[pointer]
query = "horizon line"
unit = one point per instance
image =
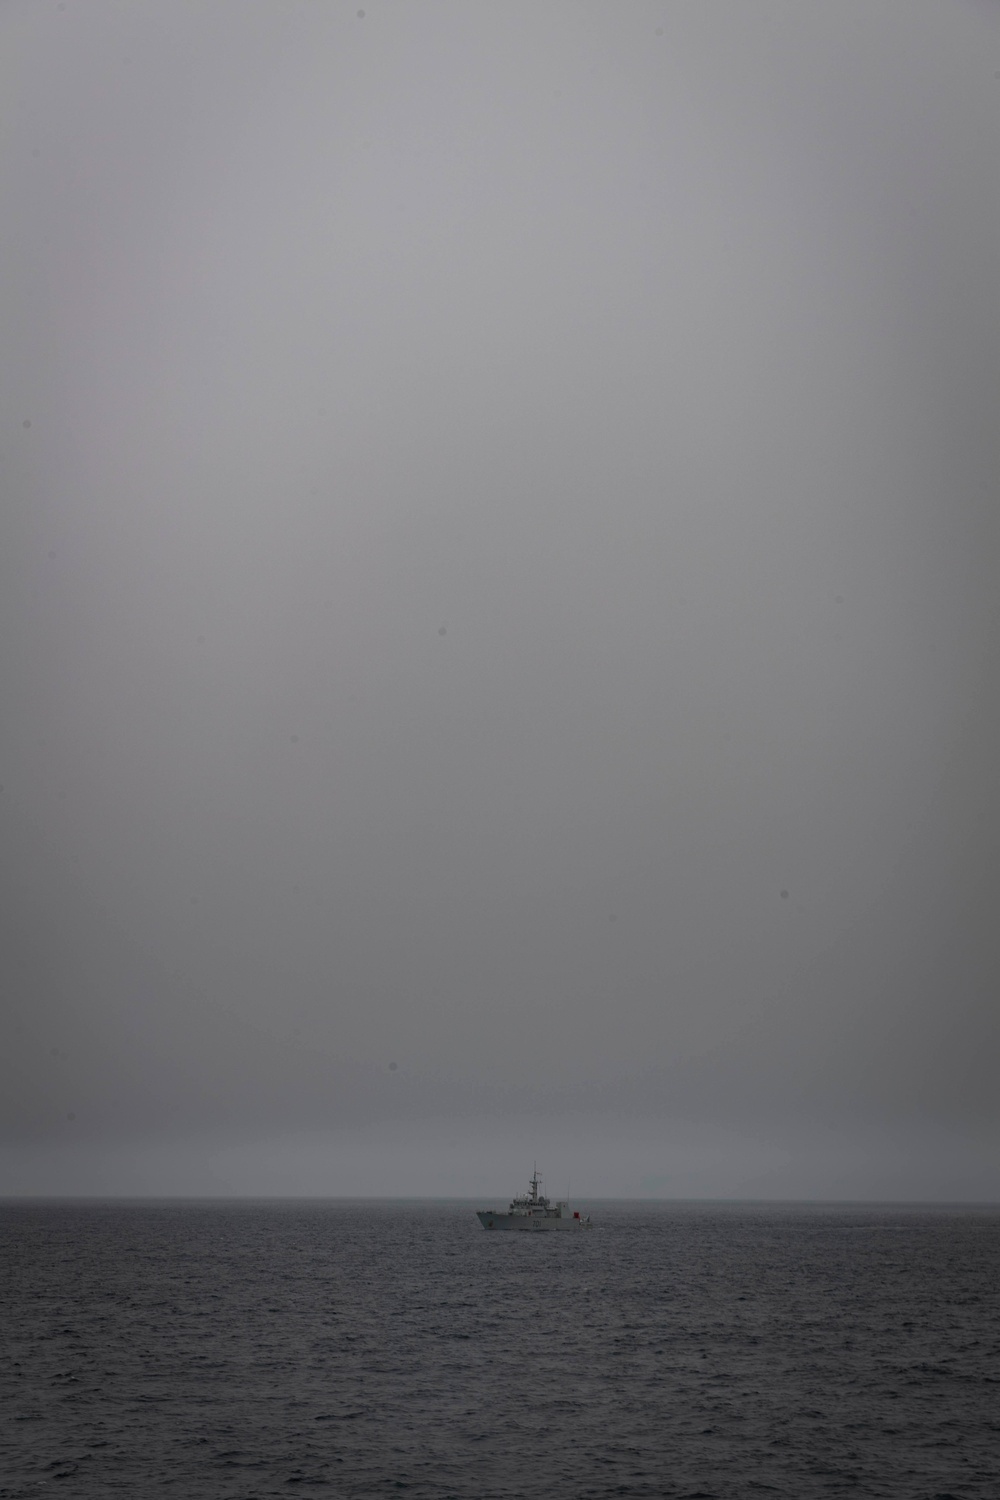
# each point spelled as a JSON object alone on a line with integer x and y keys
{"x": 466, "y": 1198}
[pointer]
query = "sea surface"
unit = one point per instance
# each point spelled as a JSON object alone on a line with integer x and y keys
{"x": 235, "y": 1350}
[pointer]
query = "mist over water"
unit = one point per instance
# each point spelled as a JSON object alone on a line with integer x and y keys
{"x": 498, "y": 598}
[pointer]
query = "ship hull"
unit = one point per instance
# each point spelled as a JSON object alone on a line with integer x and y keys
{"x": 530, "y": 1223}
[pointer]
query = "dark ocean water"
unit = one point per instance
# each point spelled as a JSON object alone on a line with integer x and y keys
{"x": 245, "y": 1350}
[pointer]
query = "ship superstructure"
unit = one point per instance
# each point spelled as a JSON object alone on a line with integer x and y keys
{"x": 532, "y": 1211}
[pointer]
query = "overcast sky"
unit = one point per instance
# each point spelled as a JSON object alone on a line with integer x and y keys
{"x": 498, "y": 625}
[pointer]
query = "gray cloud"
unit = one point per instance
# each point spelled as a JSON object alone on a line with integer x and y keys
{"x": 499, "y": 577}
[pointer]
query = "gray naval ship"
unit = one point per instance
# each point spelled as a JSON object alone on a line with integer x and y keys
{"x": 532, "y": 1212}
